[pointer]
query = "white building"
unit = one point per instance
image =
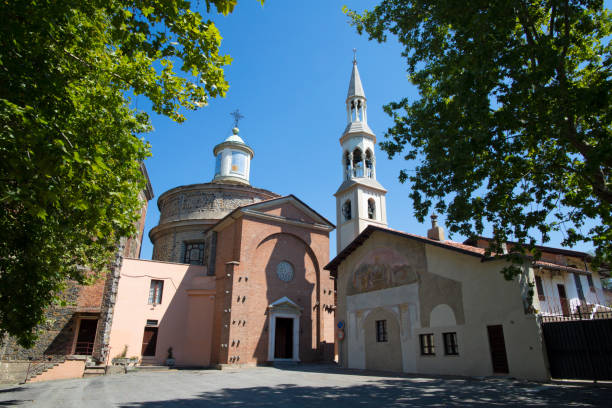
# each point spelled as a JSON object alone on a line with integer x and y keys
{"x": 428, "y": 305}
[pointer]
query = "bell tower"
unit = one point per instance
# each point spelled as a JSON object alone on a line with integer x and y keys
{"x": 360, "y": 199}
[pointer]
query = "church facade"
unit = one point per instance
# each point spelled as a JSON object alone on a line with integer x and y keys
{"x": 237, "y": 276}
{"x": 427, "y": 305}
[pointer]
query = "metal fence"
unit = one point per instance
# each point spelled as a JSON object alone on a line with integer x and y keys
{"x": 84, "y": 348}
{"x": 579, "y": 345}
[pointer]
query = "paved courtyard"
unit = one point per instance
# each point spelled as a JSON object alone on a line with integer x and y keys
{"x": 309, "y": 386}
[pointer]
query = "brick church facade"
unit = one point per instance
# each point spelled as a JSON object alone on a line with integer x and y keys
{"x": 237, "y": 276}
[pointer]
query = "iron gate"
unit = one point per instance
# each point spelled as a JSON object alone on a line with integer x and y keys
{"x": 578, "y": 346}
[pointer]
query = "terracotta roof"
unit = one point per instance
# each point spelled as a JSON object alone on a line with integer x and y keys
{"x": 451, "y": 245}
{"x": 557, "y": 267}
{"x": 542, "y": 248}
{"x": 365, "y": 234}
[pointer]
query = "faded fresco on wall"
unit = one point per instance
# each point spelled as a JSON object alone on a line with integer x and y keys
{"x": 384, "y": 268}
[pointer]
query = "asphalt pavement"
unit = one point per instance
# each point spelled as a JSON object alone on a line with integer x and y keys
{"x": 301, "y": 386}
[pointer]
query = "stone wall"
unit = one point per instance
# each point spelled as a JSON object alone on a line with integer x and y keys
{"x": 55, "y": 336}
{"x": 170, "y": 247}
{"x": 12, "y": 372}
{"x": 107, "y": 307}
{"x": 206, "y": 201}
{"x": 186, "y": 212}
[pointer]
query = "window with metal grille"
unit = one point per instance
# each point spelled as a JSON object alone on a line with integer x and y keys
{"x": 579, "y": 286}
{"x": 346, "y": 210}
{"x": 371, "y": 209}
{"x": 540, "y": 288}
{"x": 591, "y": 284}
{"x": 381, "y": 331}
{"x": 427, "y": 344}
{"x": 194, "y": 253}
{"x": 155, "y": 292}
{"x": 450, "y": 344}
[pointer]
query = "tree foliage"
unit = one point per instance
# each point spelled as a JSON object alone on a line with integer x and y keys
{"x": 513, "y": 124}
{"x": 70, "y": 154}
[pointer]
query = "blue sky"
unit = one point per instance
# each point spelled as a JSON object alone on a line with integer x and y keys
{"x": 289, "y": 77}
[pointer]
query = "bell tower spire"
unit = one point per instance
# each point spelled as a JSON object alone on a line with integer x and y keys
{"x": 356, "y": 108}
{"x": 360, "y": 200}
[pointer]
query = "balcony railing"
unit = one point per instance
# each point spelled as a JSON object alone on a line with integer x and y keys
{"x": 84, "y": 348}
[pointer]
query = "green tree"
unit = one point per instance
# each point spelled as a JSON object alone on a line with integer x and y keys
{"x": 70, "y": 153}
{"x": 512, "y": 127}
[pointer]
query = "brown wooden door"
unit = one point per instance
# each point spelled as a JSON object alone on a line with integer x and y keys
{"x": 563, "y": 300}
{"x": 283, "y": 338}
{"x": 498, "y": 349}
{"x": 149, "y": 341}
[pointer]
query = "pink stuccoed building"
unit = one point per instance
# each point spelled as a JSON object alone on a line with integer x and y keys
{"x": 237, "y": 276}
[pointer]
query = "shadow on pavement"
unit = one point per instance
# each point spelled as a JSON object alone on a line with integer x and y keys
{"x": 398, "y": 393}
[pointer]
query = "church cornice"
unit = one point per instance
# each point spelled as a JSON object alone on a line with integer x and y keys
{"x": 192, "y": 224}
{"x": 363, "y": 182}
{"x": 216, "y": 187}
{"x": 285, "y": 220}
{"x": 251, "y": 210}
{"x": 233, "y": 145}
{"x": 354, "y": 130}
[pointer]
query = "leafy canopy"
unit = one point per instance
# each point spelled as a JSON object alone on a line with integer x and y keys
{"x": 512, "y": 127}
{"x": 69, "y": 153}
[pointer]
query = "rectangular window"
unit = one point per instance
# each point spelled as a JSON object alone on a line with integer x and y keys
{"x": 194, "y": 253}
{"x": 239, "y": 161}
{"x": 155, "y": 292}
{"x": 540, "y": 288}
{"x": 450, "y": 344}
{"x": 218, "y": 164}
{"x": 151, "y": 322}
{"x": 427, "y": 344}
{"x": 381, "y": 331}
{"x": 579, "y": 286}
{"x": 591, "y": 284}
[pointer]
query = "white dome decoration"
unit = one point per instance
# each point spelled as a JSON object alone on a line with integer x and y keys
{"x": 233, "y": 160}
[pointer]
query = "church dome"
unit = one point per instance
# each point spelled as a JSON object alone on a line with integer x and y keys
{"x": 186, "y": 212}
{"x": 233, "y": 160}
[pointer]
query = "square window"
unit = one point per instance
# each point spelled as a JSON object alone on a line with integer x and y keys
{"x": 155, "y": 292}
{"x": 381, "y": 331}
{"x": 450, "y": 344}
{"x": 194, "y": 253}
{"x": 427, "y": 344}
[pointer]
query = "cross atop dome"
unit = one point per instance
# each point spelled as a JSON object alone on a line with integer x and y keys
{"x": 237, "y": 116}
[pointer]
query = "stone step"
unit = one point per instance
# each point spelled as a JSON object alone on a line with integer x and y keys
{"x": 153, "y": 368}
{"x": 284, "y": 364}
{"x": 94, "y": 371}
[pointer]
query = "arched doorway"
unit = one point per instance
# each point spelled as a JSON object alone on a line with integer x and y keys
{"x": 382, "y": 341}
